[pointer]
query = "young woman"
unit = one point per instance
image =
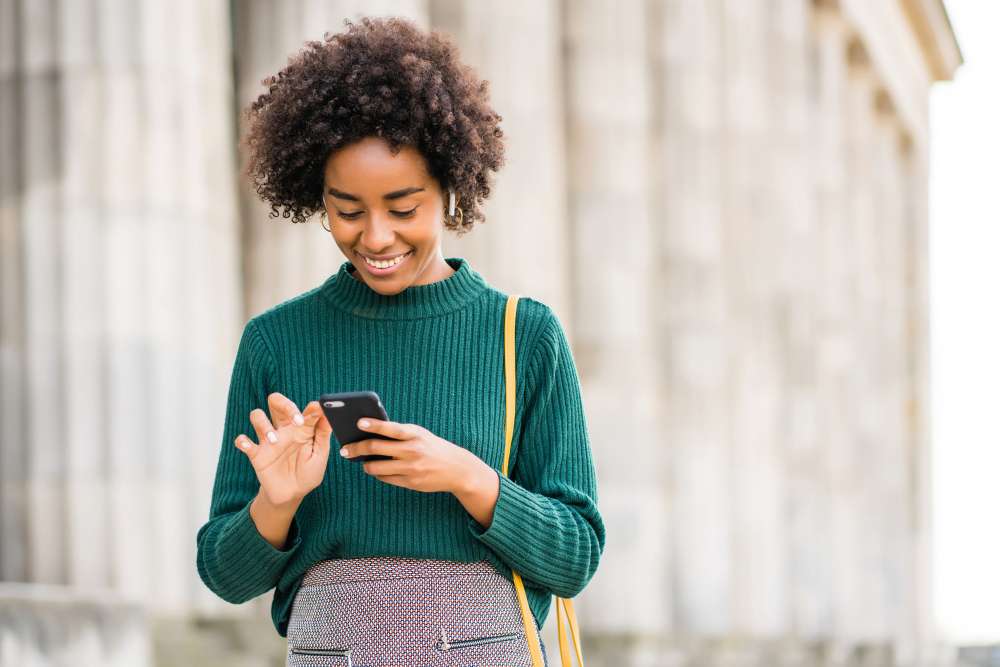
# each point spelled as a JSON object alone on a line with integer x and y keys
{"x": 407, "y": 560}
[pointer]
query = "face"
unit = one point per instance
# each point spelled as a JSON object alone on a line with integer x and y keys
{"x": 386, "y": 208}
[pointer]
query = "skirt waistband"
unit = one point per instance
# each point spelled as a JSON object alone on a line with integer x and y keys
{"x": 374, "y": 568}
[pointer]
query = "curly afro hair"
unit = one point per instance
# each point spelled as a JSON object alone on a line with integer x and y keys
{"x": 381, "y": 77}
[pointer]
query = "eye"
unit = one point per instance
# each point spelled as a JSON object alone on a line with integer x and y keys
{"x": 349, "y": 216}
{"x": 405, "y": 214}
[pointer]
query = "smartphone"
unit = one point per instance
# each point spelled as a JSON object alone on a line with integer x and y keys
{"x": 344, "y": 409}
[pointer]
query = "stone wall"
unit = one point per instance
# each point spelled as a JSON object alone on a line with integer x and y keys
{"x": 42, "y": 625}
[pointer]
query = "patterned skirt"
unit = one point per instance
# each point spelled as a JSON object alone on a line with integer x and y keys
{"x": 406, "y": 612}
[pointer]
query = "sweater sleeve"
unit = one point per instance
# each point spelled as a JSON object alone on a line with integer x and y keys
{"x": 234, "y": 560}
{"x": 546, "y": 524}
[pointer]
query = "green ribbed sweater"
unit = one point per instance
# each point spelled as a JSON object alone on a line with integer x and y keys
{"x": 434, "y": 354}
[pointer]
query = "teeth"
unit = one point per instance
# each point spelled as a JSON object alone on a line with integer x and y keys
{"x": 385, "y": 264}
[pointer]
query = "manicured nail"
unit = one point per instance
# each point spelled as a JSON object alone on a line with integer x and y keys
{"x": 299, "y": 419}
{"x": 272, "y": 436}
{"x": 343, "y": 451}
{"x": 363, "y": 423}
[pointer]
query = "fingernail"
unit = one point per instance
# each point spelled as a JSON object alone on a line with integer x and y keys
{"x": 272, "y": 436}
{"x": 363, "y": 423}
{"x": 242, "y": 444}
{"x": 343, "y": 451}
{"x": 299, "y": 419}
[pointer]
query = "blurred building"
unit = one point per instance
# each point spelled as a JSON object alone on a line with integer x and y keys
{"x": 724, "y": 200}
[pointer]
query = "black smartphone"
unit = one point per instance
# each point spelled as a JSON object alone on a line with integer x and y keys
{"x": 344, "y": 409}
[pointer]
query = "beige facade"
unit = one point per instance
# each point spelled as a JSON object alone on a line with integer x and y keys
{"x": 725, "y": 202}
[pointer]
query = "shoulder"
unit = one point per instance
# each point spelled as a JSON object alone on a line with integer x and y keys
{"x": 536, "y": 318}
{"x": 291, "y": 306}
{"x": 541, "y": 338}
{"x": 533, "y": 315}
{"x": 272, "y": 321}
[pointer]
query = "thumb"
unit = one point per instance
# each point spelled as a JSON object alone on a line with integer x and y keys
{"x": 323, "y": 429}
{"x": 312, "y": 414}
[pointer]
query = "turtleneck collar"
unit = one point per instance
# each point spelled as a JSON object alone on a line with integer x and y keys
{"x": 354, "y": 296}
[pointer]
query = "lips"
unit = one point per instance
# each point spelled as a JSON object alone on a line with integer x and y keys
{"x": 383, "y": 258}
{"x": 379, "y": 272}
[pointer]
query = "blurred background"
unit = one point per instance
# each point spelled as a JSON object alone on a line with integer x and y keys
{"x": 760, "y": 222}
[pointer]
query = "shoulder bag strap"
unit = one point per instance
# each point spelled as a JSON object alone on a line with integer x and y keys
{"x": 510, "y": 394}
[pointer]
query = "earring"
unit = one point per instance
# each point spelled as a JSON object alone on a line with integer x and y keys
{"x": 452, "y": 207}
{"x": 322, "y": 225}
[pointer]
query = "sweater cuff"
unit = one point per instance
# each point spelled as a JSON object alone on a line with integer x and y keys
{"x": 506, "y": 532}
{"x": 246, "y": 548}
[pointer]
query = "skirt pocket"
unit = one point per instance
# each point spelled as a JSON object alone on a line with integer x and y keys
{"x": 446, "y": 644}
{"x": 495, "y": 648}
{"x": 303, "y": 656}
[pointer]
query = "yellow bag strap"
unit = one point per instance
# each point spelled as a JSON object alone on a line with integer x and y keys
{"x": 567, "y": 604}
{"x": 534, "y": 641}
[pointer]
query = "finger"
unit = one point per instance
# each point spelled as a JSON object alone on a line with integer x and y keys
{"x": 378, "y": 468}
{"x": 323, "y": 429}
{"x": 371, "y": 446}
{"x": 283, "y": 409}
{"x": 395, "y": 480}
{"x": 261, "y": 424}
{"x": 322, "y": 433}
{"x": 247, "y": 446}
{"x": 389, "y": 429}
{"x": 312, "y": 414}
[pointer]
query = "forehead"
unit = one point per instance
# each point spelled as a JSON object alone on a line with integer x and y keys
{"x": 369, "y": 164}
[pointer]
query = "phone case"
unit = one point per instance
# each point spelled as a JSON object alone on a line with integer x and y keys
{"x": 343, "y": 410}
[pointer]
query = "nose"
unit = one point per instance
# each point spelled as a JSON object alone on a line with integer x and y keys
{"x": 378, "y": 233}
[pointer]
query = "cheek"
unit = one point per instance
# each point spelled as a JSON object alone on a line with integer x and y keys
{"x": 427, "y": 228}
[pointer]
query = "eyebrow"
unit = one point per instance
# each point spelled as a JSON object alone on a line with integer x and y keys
{"x": 397, "y": 194}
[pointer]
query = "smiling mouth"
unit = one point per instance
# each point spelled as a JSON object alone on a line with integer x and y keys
{"x": 382, "y": 267}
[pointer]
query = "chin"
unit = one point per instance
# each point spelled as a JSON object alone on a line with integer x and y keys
{"x": 385, "y": 287}
{"x": 387, "y": 290}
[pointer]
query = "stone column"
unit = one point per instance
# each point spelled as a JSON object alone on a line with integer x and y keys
{"x": 688, "y": 140}
{"x": 525, "y": 245}
{"x": 613, "y": 190}
{"x": 87, "y": 351}
{"x": 864, "y": 616}
{"x": 794, "y": 82}
{"x": 118, "y": 123}
{"x": 835, "y": 317}
{"x": 753, "y": 238}
{"x": 917, "y": 290}
{"x": 41, "y": 276}
{"x": 195, "y": 283}
{"x": 124, "y": 291}
{"x": 898, "y": 552}
{"x": 14, "y": 552}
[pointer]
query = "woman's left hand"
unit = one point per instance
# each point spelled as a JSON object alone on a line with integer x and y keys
{"x": 421, "y": 460}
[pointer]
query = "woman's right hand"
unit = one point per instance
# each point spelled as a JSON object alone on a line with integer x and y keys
{"x": 294, "y": 462}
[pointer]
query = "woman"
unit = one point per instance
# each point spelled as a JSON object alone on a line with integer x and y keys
{"x": 405, "y": 560}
